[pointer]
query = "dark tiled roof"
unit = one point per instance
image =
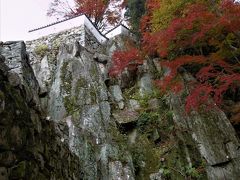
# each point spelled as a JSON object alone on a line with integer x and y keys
{"x": 57, "y": 22}
{"x": 116, "y": 28}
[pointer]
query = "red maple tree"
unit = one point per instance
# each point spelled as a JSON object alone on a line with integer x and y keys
{"x": 204, "y": 40}
{"x": 129, "y": 58}
{"x": 102, "y": 12}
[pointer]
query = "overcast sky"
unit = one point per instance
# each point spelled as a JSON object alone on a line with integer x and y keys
{"x": 17, "y": 17}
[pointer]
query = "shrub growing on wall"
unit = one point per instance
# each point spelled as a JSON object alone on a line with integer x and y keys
{"x": 41, "y": 50}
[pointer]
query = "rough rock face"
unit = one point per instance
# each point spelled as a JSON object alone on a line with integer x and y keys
{"x": 20, "y": 71}
{"x": 79, "y": 97}
{"x": 62, "y": 117}
{"x": 31, "y": 147}
{"x": 217, "y": 141}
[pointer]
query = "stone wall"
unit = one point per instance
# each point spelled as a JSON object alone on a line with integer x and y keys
{"x": 70, "y": 35}
{"x": 31, "y": 146}
{"x": 81, "y": 34}
{"x": 66, "y": 119}
{"x": 92, "y": 43}
{"x": 43, "y": 52}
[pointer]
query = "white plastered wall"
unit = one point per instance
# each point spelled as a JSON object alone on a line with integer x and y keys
{"x": 117, "y": 31}
{"x": 62, "y": 26}
{"x": 68, "y": 24}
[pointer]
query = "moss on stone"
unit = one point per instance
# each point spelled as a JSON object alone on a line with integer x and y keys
{"x": 168, "y": 153}
{"x": 147, "y": 119}
{"x": 81, "y": 83}
{"x": 41, "y": 50}
{"x": 144, "y": 99}
{"x": 93, "y": 95}
{"x": 70, "y": 103}
{"x": 94, "y": 70}
{"x": 66, "y": 78}
{"x": 1, "y": 95}
{"x": 19, "y": 171}
{"x": 145, "y": 157}
{"x": 69, "y": 100}
{"x": 176, "y": 160}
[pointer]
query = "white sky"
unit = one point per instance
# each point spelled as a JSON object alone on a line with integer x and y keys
{"x": 17, "y": 17}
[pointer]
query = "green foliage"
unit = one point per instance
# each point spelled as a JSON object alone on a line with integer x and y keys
{"x": 143, "y": 99}
{"x": 41, "y": 50}
{"x": 70, "y": 103}
{"x": 167, "y": 10}
{"x": 169, "y": 115}
{"x": 135, "y": 10}
{"x": 81, "y": 83}
{"x": 192, "y": 172}
{"x": 145, "y": 157}
{"x": 166, "y": 172}
{"x": 147, "y": 119}
{"x": 167, "y": 150}
{"x": 66, "y": 87}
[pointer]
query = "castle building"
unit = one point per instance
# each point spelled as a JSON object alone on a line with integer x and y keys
{"x": 81, "y": 28}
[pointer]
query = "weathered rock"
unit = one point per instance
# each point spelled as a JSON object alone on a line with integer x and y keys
{"x": 157, "y": 65}
{"x": 14, "y": 79}
{"x": 30, "y": 146}
{"x": 145, "y": 84}
{"x": 117, "y": 171}
{"x": 79, "y": 95}
{"x": 2, "y": 102}
{"x": 157, "y": 176}
{"x": 153, "y": 104}
{"x": 155, "y": 135}
{"x": 16, "y": 58}
{"x": 3, "y": 173}
{"x": 125, "y": 116}
{"x": 82, "y": 136}
{"x": 215, "y": 136}
{"x": 101, "y": 58}
{"x": 116, "y": 92}
{"x": 43, "y": 74}
{"x": 127, "y": 79}
{"x": 133, "y": 136}
{"x": 3, "y": 67}
{"x": 134, "y": 104}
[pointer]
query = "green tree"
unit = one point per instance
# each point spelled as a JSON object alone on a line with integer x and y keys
{"x": 135, "y": 10}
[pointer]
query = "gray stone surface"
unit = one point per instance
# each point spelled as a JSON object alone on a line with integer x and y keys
{"x": 157, "y": 176}
{"x": 145, "y": 84}
{"x": 125, "y": 116}
{"x": 70, "y": 83}
{"x": 57, "y": 119}
{"x": 119, "y": 172}
{"x": 134, "y": 104}
{"x": 217, "y": 140}
{"x": 79, "y": 96}
{"x": 101, "y": 58}
{"x": 43, "y": 74}
{"x": 17, "y": 60}
{"x": 116, "y": 93}
{"x": 30, "y": 147}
